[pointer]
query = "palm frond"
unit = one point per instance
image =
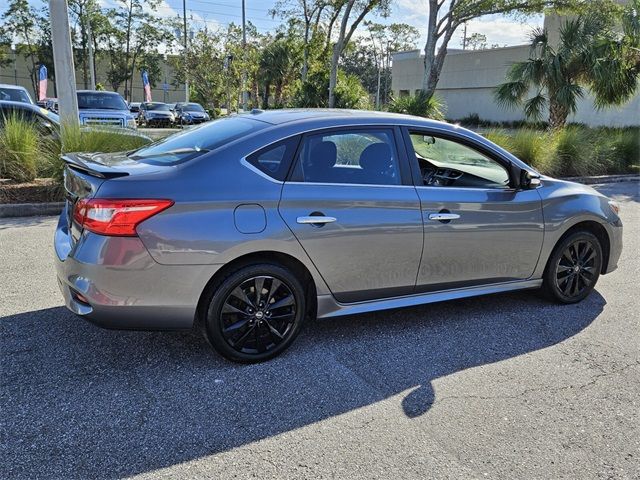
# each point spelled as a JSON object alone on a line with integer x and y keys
{"x": 535, "y": 106}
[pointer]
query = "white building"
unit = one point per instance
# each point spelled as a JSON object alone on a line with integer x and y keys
{"x": 469, "y": 77}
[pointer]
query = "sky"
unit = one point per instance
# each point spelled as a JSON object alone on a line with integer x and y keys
{"x": 498, "y": 29}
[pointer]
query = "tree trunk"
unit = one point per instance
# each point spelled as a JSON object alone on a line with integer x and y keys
{"x": 265, "y": 97}
{"x": 333, "y": 76}
{"x": 557, "y": 114}
{"x": 278, "y": 94}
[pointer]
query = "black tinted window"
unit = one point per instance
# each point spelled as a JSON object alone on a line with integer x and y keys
{"x": 196, "y": 141}
{"x": 101, "y": 101}
{"x": 274, "y": 160}
{"x": 351, "y": 156}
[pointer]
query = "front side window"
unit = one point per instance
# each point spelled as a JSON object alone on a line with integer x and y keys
{"x": 350, "y": 156}
{"x": 446, "y": 163}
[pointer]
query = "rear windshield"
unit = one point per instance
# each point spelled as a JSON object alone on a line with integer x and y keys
{"x": 196, "y": 141}
{"x": 14, "y": 95}
{"x": 101, "y": 101}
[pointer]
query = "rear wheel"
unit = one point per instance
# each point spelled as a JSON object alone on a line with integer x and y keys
{"x": 255, "y": 313}
{"x": 573, "y": 268}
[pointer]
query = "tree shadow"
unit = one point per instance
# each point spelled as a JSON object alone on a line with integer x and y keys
{"x": 78, "y": 401}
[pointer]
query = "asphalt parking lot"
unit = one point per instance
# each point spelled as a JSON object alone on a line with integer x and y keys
{"x": 506, "y": 386}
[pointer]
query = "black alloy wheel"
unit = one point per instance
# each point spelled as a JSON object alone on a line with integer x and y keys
{"x": 574, "y": 268}
{"x": 255, "y": 313}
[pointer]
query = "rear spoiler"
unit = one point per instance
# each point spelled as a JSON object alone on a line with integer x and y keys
{"x": 75, "y": 162}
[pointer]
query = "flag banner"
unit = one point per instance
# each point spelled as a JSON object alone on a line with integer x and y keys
{"x": 42, "y": 83}
{"x": 146, "y": 86}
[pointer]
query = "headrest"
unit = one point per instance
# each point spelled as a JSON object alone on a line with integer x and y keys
{"x": 323, "y": 155}
{"x": 376, "y": 157}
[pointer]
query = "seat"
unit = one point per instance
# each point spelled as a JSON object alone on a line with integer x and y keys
{"x": 319, "y": 167}
{"x": 377, "y": 165}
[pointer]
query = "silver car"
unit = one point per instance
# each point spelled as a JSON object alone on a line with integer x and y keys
{"x": 245, "y": 226}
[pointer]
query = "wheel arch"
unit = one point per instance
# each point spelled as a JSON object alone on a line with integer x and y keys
{"x": 595, "y": 228}
{"x": 282, "y": 259}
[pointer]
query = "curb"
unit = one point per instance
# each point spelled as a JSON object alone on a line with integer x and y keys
{"x": 30, "y": 209}
{"x": 593, "y": 180}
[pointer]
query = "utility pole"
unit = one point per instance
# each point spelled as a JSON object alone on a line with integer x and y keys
{"x": 14, "y": 49}
{"x": 464, "y": 37}
{"x": 63, "y": 63}
{"x": 92, "y": 70}
{"x": 186, "y": 50}
{"x": 245, "y": 97}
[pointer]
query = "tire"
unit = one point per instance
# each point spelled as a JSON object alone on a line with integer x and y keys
{"x": 242, "y": 329}
{"x": 573, "y": 268}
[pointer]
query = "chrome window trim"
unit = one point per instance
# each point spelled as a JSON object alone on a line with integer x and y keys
{"x": 329, "y": 184}
{"x": 254, "y": 169}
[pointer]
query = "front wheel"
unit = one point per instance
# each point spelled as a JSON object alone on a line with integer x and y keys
{"x": 573, "y": 268}
{"x": 255, "y": 313}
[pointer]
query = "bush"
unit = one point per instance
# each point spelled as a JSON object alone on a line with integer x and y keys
{"x": 86, "y": 140}
{"x": 419, "y": 105}
{"x": 18, "y": 150}
{"x": 349, "y": 92}
{"x": 574, "y": 150}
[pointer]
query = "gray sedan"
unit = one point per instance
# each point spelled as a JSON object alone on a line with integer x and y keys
{"x": 245, "y": 226}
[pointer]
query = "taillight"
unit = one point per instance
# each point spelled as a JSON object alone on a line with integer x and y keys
{"x": 115, "y": 216}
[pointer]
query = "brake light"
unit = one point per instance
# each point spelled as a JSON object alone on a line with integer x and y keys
{"x": 116, "y": 217}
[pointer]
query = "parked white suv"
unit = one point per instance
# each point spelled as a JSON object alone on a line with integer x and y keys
{"x": 15, "y": 93}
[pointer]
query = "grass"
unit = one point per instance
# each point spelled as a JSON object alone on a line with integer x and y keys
{"x": 19, "y": 150}
{"x": 574, "y": 150}
{"x": 75, "y": 139}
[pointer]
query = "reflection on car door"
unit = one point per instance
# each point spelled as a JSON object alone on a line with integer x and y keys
{"x": 350, "y": 204}
{"x": 476, "y": 234}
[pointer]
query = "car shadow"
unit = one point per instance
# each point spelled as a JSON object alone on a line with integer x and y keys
{"x": 79, "y": 401}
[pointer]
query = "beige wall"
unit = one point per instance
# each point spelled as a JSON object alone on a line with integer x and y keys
{"x": 469, "y": 77}
{"x": 175, "y": 94}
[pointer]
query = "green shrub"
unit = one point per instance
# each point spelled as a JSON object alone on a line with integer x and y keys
{"x": 86, "y": 140}
{"x": 574, "y": 153}
{"x": 313, "y": 93}
{"x": 574, "y": 150}
{"x": 18, "y": 149}
{"x": 419, "y": 105}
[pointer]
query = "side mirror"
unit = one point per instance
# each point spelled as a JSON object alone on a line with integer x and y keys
{"x": 428, "y": 139}
{"x": 528, "y": 180}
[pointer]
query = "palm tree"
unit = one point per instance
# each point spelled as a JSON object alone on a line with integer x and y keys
{"x": 590, "y": 54}
{"x": 276, "y": 66}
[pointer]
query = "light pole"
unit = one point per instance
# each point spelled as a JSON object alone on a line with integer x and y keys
{"x": 245, "y": 97}
{"x": 14, "y": 48}
{"x": 186, "y": 51}
{"x": 63, "y": 63}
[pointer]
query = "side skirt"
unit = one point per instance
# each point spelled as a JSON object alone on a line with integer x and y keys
{"x": 329, "y": 307}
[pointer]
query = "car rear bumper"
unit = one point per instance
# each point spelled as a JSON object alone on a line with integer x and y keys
{"x": 114, "y": 283}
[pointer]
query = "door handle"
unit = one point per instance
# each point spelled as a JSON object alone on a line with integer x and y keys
{"x": 315, "y": 220}
{"x": 443, "y": 216}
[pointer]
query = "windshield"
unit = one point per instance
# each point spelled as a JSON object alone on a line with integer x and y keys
{"x": 101, "y": 101}
{"x": 196, "y": 141}
{"x": 162, "y": 107}
{"x": 14, "y": 95}
{"x": 193, "y": 107}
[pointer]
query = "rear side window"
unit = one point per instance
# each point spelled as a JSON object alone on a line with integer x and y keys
{"x": 366, "y": 157}
{"x": 275, "y": 159}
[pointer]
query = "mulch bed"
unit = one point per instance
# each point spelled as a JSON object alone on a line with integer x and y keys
{"x": 39, "y": 191}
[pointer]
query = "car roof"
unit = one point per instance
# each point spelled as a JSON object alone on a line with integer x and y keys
{"x": 97, "y": 91}
{"x": 8, "y": 85}
{"x": 22, "y": 105}
{"x": 279, "y": 117}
